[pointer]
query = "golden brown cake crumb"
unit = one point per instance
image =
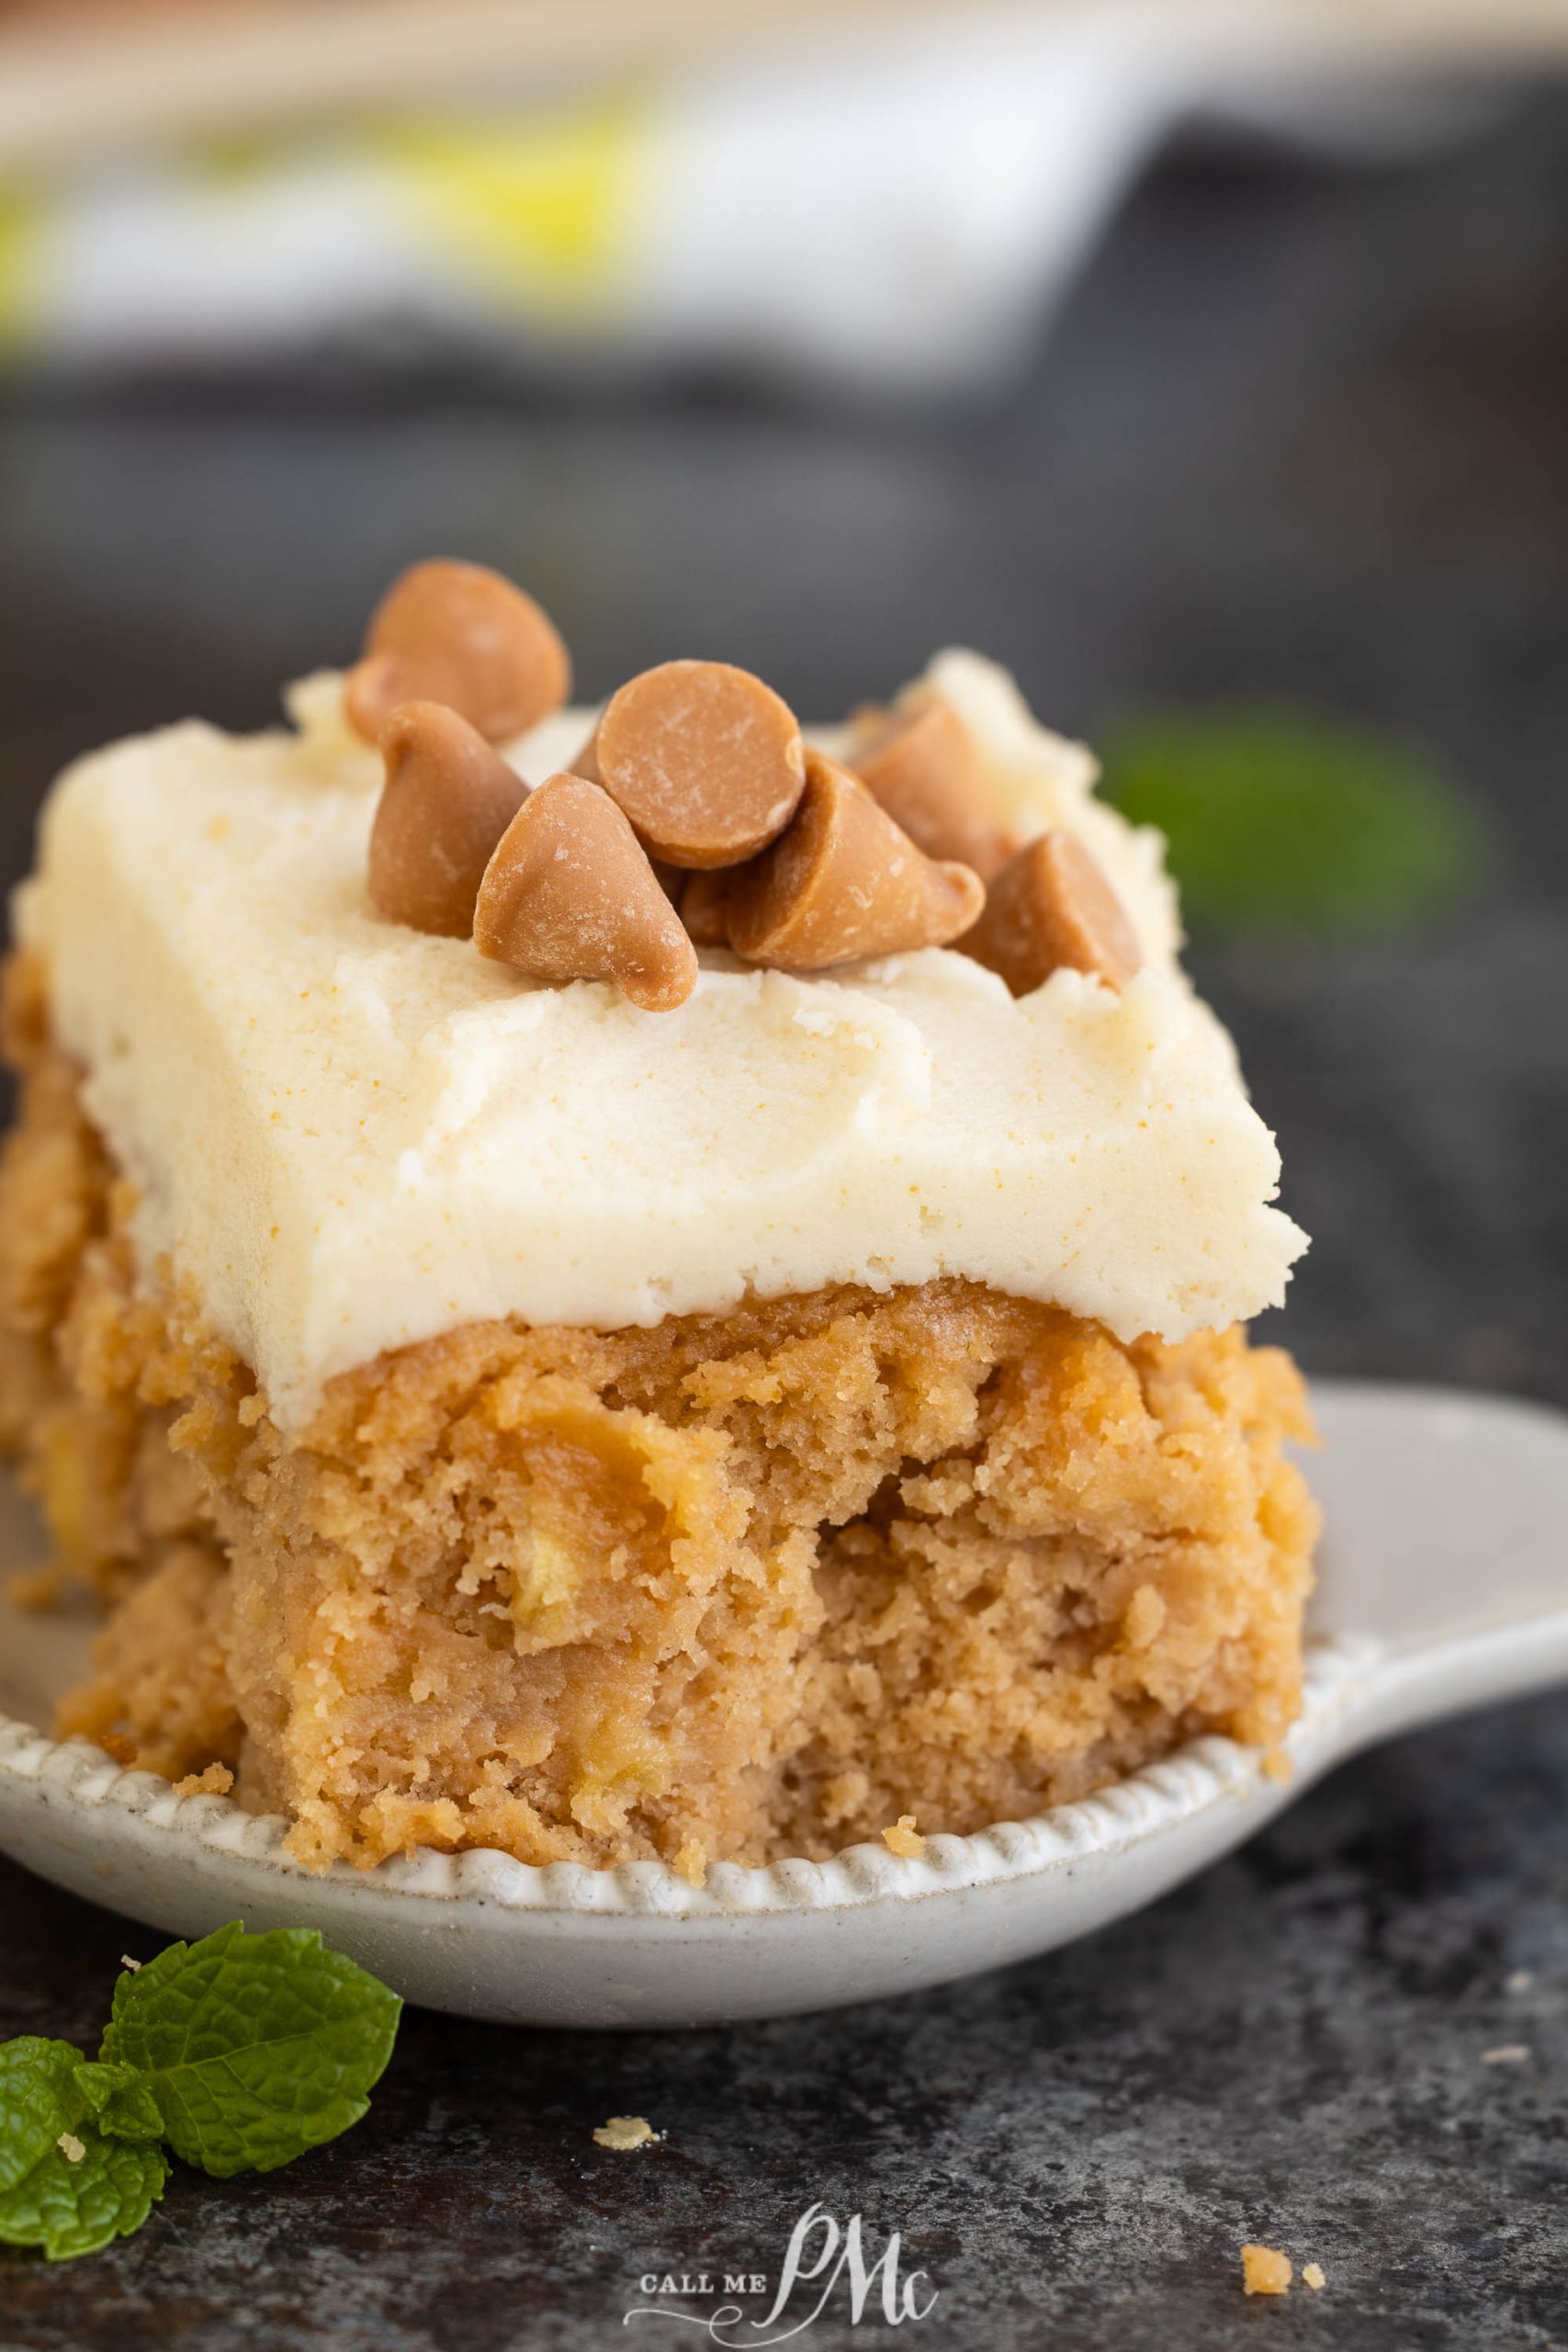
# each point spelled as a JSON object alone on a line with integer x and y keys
{"x": 37, "y": 1589}
{"x": 1312, "y": 2276}
{"x": 904, "y": 1839}
{"x": 690, "y": 1862}
{"x": 215, "y": 1781}
{"x": 1265, "y": 2271}
{"x": 624, "y": 2132}
{"x": 734, "y": 1588}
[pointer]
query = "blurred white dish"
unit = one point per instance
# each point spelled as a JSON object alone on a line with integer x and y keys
{"x": 1444, "y": 1585}
{"x": 617, "y": 185}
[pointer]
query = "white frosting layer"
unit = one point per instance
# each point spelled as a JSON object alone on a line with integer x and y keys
{"x": 350, "y": 1135}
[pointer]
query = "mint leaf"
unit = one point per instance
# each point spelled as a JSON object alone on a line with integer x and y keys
{"x": 241, "y": 2051}
{"x": 120, "y": 2102}
{"x": 69, "y": 2208}
{"x": 253, "y": 2048}
{"x": 46, "y": 2199}
{"x": 1291, "y": 820}
{"x": 39, "y": 2098}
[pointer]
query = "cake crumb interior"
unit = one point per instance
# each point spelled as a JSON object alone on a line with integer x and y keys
{"x": 734, "y": 1588}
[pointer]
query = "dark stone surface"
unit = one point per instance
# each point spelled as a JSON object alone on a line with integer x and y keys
{"x": 1299, "y": 434}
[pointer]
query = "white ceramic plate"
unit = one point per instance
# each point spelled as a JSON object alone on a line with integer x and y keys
{"x": 1443, "y": 1584}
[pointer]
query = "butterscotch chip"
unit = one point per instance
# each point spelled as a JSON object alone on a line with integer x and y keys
{"x": 458, "y": 634}
{"x": 1050, "y": 906}
{"x": 921, "y": 763}
{"x": 586, "y": 764}
{"x": 671, "y": 878}
{"x": 845, "y": 883}
{"x": 704, "y": 759}
{"x": 448, "y": 799}
{"x": 571, "y": 895}
{"x": 704, "y": 907}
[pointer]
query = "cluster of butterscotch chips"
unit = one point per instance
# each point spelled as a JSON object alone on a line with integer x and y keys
{"x": 696, "y": 816}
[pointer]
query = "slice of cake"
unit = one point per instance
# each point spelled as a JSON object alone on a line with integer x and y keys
{"x": 689, "y": 1311}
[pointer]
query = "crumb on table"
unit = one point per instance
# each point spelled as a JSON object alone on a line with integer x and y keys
{"x": 904, "y": 1839}
{"x": 626, "y": 2131}
{"x": 214, "y": 1780}
{"x": 1312, "y": 2276}
{"x": 1265, "y": 2271}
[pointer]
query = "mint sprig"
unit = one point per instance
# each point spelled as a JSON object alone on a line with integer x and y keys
{"x": 38, "y": 2100}
{"x": 1296, "y": 821}
{"x": 63, "y": 2186}
{"x": 122, "y": 2102}
{"x": 252, "y": 2049}
{"x": 239, "y": 2051}
{"x": 78, "y": 2204}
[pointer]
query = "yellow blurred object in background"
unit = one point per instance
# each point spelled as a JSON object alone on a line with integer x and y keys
{"x": 538, "y": 210}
